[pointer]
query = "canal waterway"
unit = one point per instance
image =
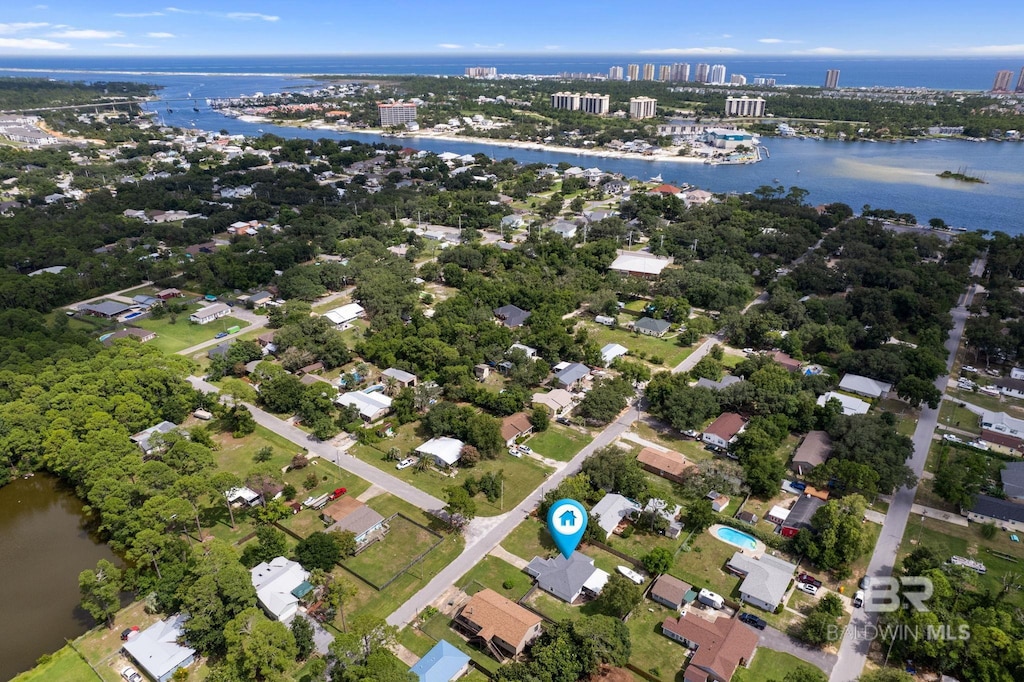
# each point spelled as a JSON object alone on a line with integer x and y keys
{"x": 44, "y": 545}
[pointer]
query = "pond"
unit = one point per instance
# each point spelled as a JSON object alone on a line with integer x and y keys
{"x": 44, "y": 545}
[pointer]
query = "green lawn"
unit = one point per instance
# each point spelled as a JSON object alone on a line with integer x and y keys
{"x": 64, "y": 666}
{"x": 653, "y": 652}
{"x": 669, "y": 438}
{"x": 529, "y": 539}
{"x": 769, "y": 665}
{"x": 171, "y": 338}
{"x": 703, "y": 566}
{"x": 668, "y": 349}
{"x": 559, "y": 442}
{"x": 493, "y": 572}
{"x": 522, "y": 475}
{"x": 954, "y": 416}
{"x": 382, "y": 560}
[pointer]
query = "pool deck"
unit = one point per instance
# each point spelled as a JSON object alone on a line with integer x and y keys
{"x": 758, "y": 550}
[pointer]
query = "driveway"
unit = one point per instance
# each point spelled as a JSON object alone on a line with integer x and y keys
{"x": 775, "y": 640}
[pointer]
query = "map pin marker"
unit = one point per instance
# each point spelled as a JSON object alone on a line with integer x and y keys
{"x": 567, "y": 521}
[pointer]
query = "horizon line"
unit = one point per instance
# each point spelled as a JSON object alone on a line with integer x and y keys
{"x": 648, "y": 56}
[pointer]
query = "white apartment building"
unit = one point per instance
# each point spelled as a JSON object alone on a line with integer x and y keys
{"x": 643, "y": 107}
{"x": 737, "y": 79}
{"x": 648, "y": 72}
{"x": 565, "y": 100}
{"x": 680, "y": 73}
{"x": 593, "y": 103}
{"x": 633, "y": 71}
{"x": 615, "y": 73}
{"x": 745, "y": 107}
{"x": 396, "y": 113}
{"x": 701, "y": 75}
{"x": 717, "y": 74}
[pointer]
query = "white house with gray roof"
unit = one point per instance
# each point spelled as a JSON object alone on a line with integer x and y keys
{"x": 157, "y": 649}
{"x": 611, "y": 510}
{"x": 280, "y": 583}
{"x": 568, "y": 579}
{"x": 765, "y": 579}
{"x": 865, "y": 386}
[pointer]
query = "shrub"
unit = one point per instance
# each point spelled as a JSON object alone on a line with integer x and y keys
{"x": 508, "y": 584}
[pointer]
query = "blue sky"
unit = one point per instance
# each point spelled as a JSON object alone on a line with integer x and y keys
{"x": 741, "y": 27}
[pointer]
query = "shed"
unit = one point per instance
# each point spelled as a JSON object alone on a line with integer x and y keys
{"x": 670, "y": 591}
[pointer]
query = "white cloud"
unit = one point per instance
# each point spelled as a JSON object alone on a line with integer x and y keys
{"x": 727, "y": 35}
{"x": 7, "y": 29}
{"x": 178, "y": 10}
{"x": 158, "y": 34}
{"x": 996, "y": 50}
{"x": 126, "y": 45}
{"x": 496, "y": 46}
{"x": 693, "y": 50}
{"x": 87, "y": 34}
{"x": 137, "y": 15}
{"x": 832, "y": 51}
{"x": 449, "y": 46}
{"x": 246, "y": 16}
{"x": 32, "y": 44}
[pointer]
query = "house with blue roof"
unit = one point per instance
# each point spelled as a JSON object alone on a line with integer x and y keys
{"x": 443, "y": 663}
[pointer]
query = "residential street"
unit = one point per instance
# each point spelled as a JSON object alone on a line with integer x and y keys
{"x": 854, "y": 649}
{"x": 780, "y": 641}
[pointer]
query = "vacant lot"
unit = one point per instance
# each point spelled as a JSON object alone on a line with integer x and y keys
{"x": 559, "y": 442}
{"x": 641, "y": 345}
{"x": 495, "y": 573}
{"x": 382, "y": 561}
{"x": 171, "y": 338}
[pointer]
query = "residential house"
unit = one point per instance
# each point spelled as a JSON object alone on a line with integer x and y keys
{"x": 242, "y": 497}
{"x": 799, "y": 516}
{"x": 639, "y": 264}
{"x": 651, "y": 327}
{"x": 514, "y": 427}
{"x": 719, "y": 647}
{"x": 865, "y": 386}
{"x": 670, "y": 514}
{"x": 569, "y": 579}
{"x": 107, "y": 309}
{"x": 1013, "y": 388}
{"x": 723, "y": 431}
{"x": 402, "y": 378}
{"x": 504, "y": 627}
{"x": 571, "y": 375}
{"x": 563, "y": 229}
{"x": 610, "y": 352}
{"x": 665, "y": 190}
{"x": 558, "y": 401}
{"x": 666, "y": 463}
{"x": 512, "y": 222}
{"x": 157, "y": 649}
{"x": 443, "y": 663}
{"x": 260, "y": 299}
{"x": 726, "y": 381}
{"x": 529, "y": 351}
{"x": 280, "y": 583}
{"x": 765, "y": 579}
{"x": 345, "y": 314}
{"x": 1002, "y": 429}
{"x": 348, "y": 513}
{"x": 481, "y": 371}
{"x": 444, "y": 451}
{"x": 168, "y": 294}
{"x": 372, "y": 405}
{"x": 141, "y": 335}
{"x": 210, "y": 313}
{"x": 672, "y": 592}
{"x": 850, "y": 405}
{"x": 612, "y": 510}
{"x": 697, "y": 197}
{"x": 1013, "y": 481}
{"x": 145, "y": 440}
{"x": 146, "y": 301}
{"x": 791, "y": 364}
{"x": 512, "y": 316}
{"x": 1003, "y": 513}
{"x": 813, "y": 451}
{"x": 219, "y": 351}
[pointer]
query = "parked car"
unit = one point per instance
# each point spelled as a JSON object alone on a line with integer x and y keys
{"x": 130, "y": 674}
{"x": 951, "y": 438}
{"x": 690, "y": 433}
{"x": 993, "y": 372}
{"x": 969, "y": 368}
{"x": 808, "y": 588}
{"x": 338, "y": 492}
{"x": 865, "y": 582}
{"x": 751, "y": 619}
{"x": 220, "y": 335}
{"x": 809, "y": 579}
{"x": 525, "y": 450}
{"x": 406, "y": 463}
{"x": 564, "y": 421}
{"x": 515, "y": 451}
{"x": 858, "y": 599}
{"x": 128, "y": 633}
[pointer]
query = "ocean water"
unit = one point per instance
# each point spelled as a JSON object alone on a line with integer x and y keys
{"x": 897, "y": 176}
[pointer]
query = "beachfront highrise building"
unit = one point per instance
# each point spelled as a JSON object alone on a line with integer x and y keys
{"x": 738, "y": 79}
{"x": 633, "y": 72}
{"x": 665, "y": 73}
{"x": 565, "y": 100}
{"x": 832, "y": 79}
{"x": 481, "y": 71}
{"x": 717, "y": 75}
{"x": 396, "y": 113}
{"x": 1020, "y": 81}
{"x": 767, "y": 82}
{"x": 615, "y": 73}
{"x": 593, "y": 103}
{"x": 701, "y": 76}
{"x": 1003, "y": 80}
{"x": 643, "y": 107}
{"x": 744, "y": 107}
{"x": 680, "y": 73}
{"x": 648, "y": 72}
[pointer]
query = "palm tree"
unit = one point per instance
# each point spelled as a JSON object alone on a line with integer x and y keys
{"x": 391, "y": 386}
{"x": 393, "y": 455}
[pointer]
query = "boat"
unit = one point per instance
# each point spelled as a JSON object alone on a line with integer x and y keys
{"x": 169, "y": 110}
{"x": 657, "y": 178}
{"x": 195, "y": 106}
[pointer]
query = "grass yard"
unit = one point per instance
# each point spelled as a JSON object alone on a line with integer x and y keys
{"x": 703, "y": 565}
{"x": 522, "y": 475}
{"x": 671, "y": 439}
{"x": 171, "y": 338}
{"x": 65, "y": 665}
{"x": 953, "y": 416}
{"x": 559, "y": 442}
{"x": 382, "y": 561}
{"x": 670, "y": 352}
{"x": 529, "y": 539}
{"x": 653, "y": 652}
{"x": 768, "y": 665}
{"x": 493, "y": 572}
{"x": 100, "y": 647}
{"x": 948, "y": 539}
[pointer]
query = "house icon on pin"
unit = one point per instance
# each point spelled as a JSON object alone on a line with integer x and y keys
{"x": 567, "y": 518}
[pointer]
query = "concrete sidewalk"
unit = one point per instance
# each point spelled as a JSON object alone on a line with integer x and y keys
{"x": 932, "y": 513}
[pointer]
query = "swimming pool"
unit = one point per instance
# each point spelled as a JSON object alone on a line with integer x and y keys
{"x": 736, "y": 538}
{"x": 131, "y": 316}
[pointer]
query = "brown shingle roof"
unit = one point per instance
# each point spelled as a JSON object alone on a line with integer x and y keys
{"x": 514, "y": 425}
{"x": 814, "y": 450}
{"x": 721, "y": 645}
{"x": 786, "y": 361}
{"x": 349, "y": 513}
{"x": 726, "y": 426}
{"x": 670, "y": 589}
{"x": 497, "y": 616}
{"x": 665, "y": 460}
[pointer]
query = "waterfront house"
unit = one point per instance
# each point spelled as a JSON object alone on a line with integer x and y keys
{"x": 158, "y": 649}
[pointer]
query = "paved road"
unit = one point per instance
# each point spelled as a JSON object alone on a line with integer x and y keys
{"x": 349, "y": 463}
{"x": 854, "y": 648}
{"x": 780, "y": 641}
{"x": 478, "y": 546}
